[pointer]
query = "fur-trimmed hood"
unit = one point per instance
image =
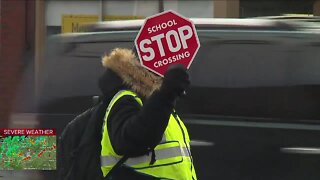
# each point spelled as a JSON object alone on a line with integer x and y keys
{"x": 125, "y": 64}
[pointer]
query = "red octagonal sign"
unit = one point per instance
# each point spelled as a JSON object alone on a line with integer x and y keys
{"x": 165, "y": 39}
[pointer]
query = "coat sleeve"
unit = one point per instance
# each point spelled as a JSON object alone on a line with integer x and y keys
{"x": 135, "y": 129}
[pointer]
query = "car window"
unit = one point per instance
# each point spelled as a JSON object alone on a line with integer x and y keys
{"x": 262, "y": 77}
{"x": 71, "y": 73}
{"x": 255, "y": 76}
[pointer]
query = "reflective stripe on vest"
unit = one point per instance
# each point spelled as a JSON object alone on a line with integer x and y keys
{"x": 159, "y": 154}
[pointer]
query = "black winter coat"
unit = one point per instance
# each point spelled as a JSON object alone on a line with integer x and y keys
{"x": 133, "y": 129}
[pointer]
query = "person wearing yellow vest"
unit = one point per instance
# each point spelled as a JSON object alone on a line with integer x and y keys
{"x": 140, "y": 121}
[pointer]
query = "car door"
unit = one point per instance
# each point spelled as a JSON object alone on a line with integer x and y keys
{"x": 252, "y": 110}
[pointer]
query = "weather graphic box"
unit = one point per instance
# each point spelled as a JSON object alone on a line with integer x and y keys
{"x": 28, "y": 149}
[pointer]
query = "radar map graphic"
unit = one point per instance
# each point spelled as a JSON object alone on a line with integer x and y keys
{"x": 27, "y": 152}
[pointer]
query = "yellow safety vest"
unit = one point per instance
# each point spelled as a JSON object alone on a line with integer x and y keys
{"x": 172, "y": 154}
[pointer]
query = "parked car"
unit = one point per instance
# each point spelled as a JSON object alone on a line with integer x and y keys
{"x": 253, "y": 107}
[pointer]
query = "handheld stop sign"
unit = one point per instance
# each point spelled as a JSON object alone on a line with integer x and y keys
{"x": 166, "y": 39}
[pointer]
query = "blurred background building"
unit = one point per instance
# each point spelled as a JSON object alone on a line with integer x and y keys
{"x": 17, "y": 39}
{"x": 25, "y": 25}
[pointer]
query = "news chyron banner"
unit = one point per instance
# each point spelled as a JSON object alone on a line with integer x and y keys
{"x": 27, "y": 149}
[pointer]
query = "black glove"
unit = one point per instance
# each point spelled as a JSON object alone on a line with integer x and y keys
{"x": 175, "y": 82}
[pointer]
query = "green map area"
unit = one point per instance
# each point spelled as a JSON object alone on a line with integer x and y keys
{"x": 28, "y": 152}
